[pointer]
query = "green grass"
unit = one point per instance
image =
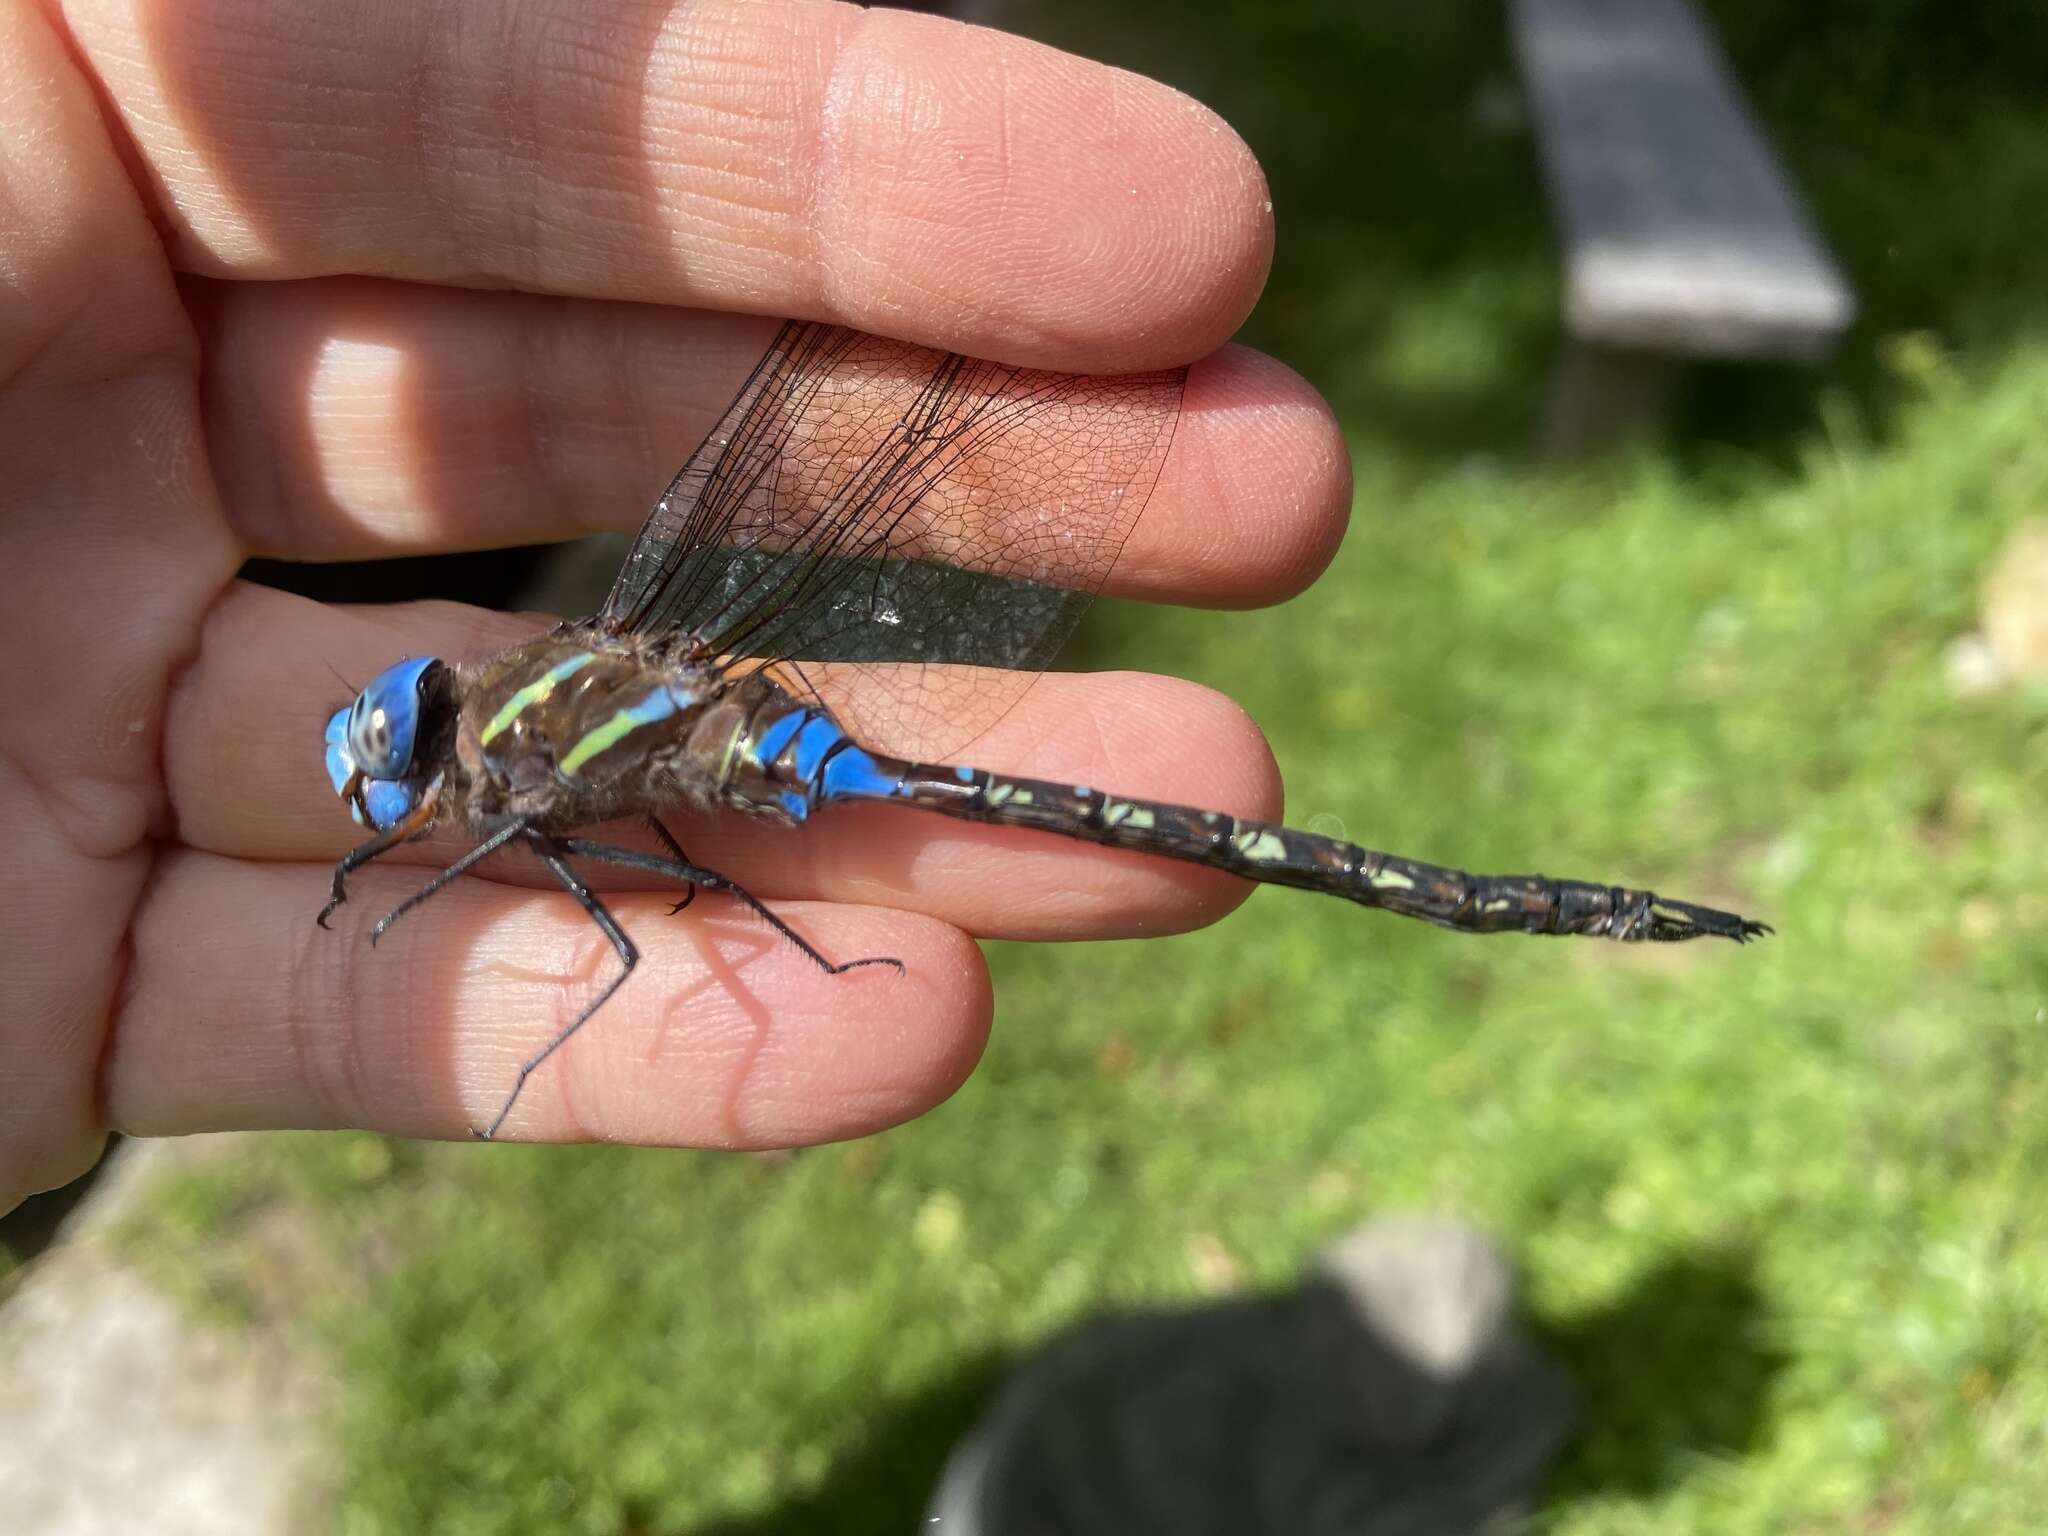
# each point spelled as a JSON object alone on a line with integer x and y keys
{"x": 1783, "y": 1212}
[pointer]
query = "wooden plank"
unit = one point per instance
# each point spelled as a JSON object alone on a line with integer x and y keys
{"x": 1682, "y": 233}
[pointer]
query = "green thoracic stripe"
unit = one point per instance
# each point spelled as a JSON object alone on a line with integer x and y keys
{"x": 533, "y": 693}
{"x": 658, "y": 705}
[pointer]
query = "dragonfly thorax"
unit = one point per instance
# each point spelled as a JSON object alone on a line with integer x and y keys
{"x": 581, "y": 726}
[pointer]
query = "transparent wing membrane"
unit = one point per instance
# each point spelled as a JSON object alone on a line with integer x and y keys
{"x": 865, "y": 500}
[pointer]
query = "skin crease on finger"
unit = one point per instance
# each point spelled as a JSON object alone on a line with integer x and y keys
{"x": 782, "y": 158}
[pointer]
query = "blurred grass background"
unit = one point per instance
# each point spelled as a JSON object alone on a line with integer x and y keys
{"x": 1782, "y": 1212}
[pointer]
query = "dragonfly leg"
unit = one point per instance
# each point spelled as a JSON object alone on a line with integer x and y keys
{"x": 550, "y": 854}
{"x": 420, "y": 818}
{"x": 710, "y": 880}
{"x": 455, "y": 871}
{"x": 675, "y": 851}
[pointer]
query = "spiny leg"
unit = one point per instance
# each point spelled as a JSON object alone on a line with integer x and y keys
{"x": 675, "y": 851}
{"x": 455, "y": 871}
{"x": 415, "y": 822}
{"x": 550, "y": 854}
{"x": 710, "y": 880}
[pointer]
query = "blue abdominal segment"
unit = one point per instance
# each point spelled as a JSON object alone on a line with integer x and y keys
{"x": 851, "y": 774}
{"x": 814, "y": 744}
{"x": 776, "y": 736}
{"x": 823, "y": 759}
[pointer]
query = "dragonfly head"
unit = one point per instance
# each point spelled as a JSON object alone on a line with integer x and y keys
{"x": 372, "y": 744}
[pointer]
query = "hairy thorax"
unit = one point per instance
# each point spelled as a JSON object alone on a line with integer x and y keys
{"x": 579, "y": 727}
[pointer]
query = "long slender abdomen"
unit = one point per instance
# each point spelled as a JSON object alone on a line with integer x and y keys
{"x": 1277, "y": 855}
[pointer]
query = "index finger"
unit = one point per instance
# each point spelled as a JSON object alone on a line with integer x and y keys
{"x": 897, "y": 173}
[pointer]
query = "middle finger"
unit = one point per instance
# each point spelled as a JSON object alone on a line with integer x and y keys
{"x": 357, "y": 419}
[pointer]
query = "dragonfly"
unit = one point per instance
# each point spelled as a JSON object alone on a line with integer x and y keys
{"x": 870, "y": 556}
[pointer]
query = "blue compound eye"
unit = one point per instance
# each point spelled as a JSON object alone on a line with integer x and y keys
{"x": 385, "y": 720}
{"x": 387, "y": 801}
{"x": 339, "y": 764}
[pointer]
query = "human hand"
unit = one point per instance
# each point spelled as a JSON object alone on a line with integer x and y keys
{"x": 190, "y": 379}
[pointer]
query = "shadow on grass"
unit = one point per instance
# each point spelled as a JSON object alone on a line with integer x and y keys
{"x": 882, "y": 1486}
{"x": 34, "y": 1225}
{"x": 1674, "y": 1372}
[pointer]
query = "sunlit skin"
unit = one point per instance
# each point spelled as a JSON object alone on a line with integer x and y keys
{"x": 187, "y": 383}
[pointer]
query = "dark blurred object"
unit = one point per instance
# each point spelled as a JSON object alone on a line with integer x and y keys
{"x": 982, "y": 11}
{"x": 567, "y": 579}
{"x": 34, "y": 1224}
{"x": 1684, "y": 237}
{"x": 1391, "y": 1395}
{"x": 490, "y": 578}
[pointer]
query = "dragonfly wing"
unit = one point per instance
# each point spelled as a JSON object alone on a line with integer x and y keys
{"x": 873, "y": 503}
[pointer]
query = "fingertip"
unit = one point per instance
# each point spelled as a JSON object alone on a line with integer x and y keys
{"x": 730, "y": 1038}
{"x": 1256, "y": 492}
{"x": 725, "y": 1035}
{"x": 983, "y": 193}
